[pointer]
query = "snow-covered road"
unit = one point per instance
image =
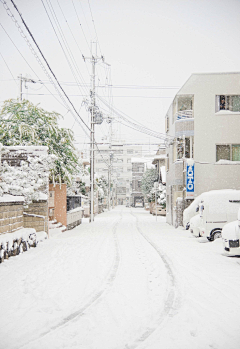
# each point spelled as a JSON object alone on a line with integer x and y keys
{"x": 125, "y": 281}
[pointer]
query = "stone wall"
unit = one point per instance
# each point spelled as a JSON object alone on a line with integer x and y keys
{"x": 37, "y": 208}
{"x": 11, "y": 216}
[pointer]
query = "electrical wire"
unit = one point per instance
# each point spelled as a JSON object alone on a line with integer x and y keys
{"x": 41, "y": 81}
{"x": 25, "y": 25}
{"x": 72, "y": 65}
{"x": 81, "y": 26}
{"x": 71, "y": 33}
{"x": 7, "y": 67}
{"x": 137, "y": 126}
{"x": 94, "y": 26}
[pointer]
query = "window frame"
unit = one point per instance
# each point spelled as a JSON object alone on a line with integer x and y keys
{"x": 228, "y": 103}
{"x": 231, "y": 145}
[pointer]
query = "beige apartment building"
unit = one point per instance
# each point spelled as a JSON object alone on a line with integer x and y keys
{"x": 121, "y": 168}
{"x": 203, "y": 153}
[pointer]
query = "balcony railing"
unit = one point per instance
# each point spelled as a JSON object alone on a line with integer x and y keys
{"x": 184, "y": 114}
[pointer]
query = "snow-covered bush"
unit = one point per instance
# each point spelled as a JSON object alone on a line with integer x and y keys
{"x": 162, "y": 195}
{"x": 102, "y": 187}
{"x": 30, "y": 179}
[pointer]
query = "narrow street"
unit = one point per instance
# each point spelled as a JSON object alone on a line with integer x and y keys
{"x": 125, "y": 281}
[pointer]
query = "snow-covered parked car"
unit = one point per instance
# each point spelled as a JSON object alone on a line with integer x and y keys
{"x": 216, "y": 209}
{"x": 231, "y": 237}
{"x": 191, "y": 211}
{"x": 194, "y": 225}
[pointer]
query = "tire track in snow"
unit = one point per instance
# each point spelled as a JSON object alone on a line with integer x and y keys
{"x": 96, "y": 296}
{"x": 169, "y": 308}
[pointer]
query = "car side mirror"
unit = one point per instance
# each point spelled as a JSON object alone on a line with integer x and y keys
{"x": 197, "y": 209}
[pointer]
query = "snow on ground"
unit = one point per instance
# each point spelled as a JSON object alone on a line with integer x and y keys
{"x": 125, "y": 281}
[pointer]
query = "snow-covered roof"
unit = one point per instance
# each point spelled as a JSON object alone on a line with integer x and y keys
{"x": 160, "y": 156}
{"x": 143, "y": 160}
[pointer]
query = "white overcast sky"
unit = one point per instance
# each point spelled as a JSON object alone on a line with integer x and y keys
{"x": 148, "y": 43}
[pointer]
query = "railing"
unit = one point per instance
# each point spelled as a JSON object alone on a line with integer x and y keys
{"x": 184, "y": 114}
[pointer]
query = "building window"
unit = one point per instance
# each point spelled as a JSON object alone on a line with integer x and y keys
{"x": 129, "y": 151}
{"x": 225, "y": 102}
{"x": 179, "y": 149}
{"x": 228, "y": 152}
{"x": 184, "y": 107}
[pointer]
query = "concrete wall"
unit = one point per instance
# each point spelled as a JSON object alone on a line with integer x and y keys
{"x": 60, "y": 202}
{"x": 74, "y": 218}
{"x": 11, "y": 217}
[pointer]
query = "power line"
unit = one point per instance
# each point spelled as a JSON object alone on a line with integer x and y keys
{"x": 71, "y": 57}
{"x": 47, "y": 63}
{"x": 8, "y": 67}
{"x": 81, "y": 25}
{"x": 94, "y": 26}
{"x": 35, "y": 55}
{"x": 71, "y": 31}
{"x": 137, "y": 126}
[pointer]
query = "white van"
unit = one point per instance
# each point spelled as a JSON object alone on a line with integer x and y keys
{"x": 231, "y": 237}
{"x": 217, "y": 208}
{"x": 191, "y": 211}
{"x": 194, "y": 225}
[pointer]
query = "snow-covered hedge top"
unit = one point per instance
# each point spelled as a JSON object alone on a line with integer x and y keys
{"x": 30, "y": 149}
{"x": 11, "y": 198}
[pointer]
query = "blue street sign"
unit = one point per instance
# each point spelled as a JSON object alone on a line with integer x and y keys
{"x": 190, "y": 180}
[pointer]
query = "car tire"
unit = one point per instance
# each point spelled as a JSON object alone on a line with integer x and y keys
{"x": 216, "y": 235}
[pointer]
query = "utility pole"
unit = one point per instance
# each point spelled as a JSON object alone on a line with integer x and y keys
{"x": 94, "y": 59}
{"x": 21, "y": 79}
{"x": 110, "y": 165}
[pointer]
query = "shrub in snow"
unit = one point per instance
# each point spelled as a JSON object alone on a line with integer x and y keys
{"x": 12, "y": 244}
{"x": 29, "y": 179}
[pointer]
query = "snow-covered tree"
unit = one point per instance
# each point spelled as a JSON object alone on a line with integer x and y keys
{"x": 148, "y": 179}
{"x": 102, "y": 185}
{"x": 23, "y": 123}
